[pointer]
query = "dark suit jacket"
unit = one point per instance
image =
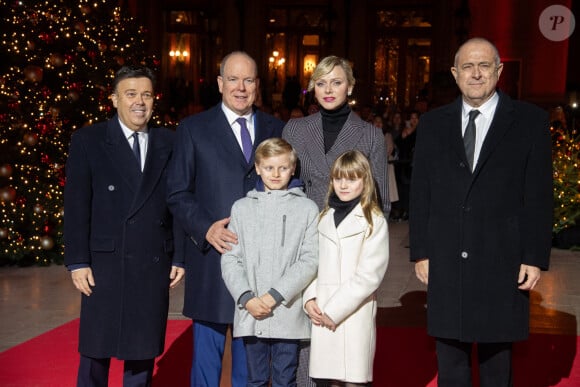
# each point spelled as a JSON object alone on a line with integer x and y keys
{"x": 305, "y": 135}
{"x": 207, "y": 174}
{"x": 477, "y": 228}
{"x": 117, "y": 221}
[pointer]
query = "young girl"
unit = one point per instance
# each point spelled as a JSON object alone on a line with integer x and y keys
{"x": 353, "y": 258}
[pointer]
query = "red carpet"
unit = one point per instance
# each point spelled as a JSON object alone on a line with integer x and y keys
{"x": 405, "y": 358}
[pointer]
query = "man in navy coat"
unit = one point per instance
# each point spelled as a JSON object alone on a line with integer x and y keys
{"x": 208, "y": 173}
{"x": 481, "y": 218}
{"x": 118, "y": 231}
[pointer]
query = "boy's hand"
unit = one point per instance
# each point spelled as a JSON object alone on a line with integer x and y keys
{"x": 258, "y": 309}
{"x": 268, "y": 300}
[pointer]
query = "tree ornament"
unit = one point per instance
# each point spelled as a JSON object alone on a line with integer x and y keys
{"x": 46, "y": 242}
{"x": 33, "y": 73}
{"x": 7, "y": 194}
{"x": 5, "y": 170}
{"x": 56, "y": 60}
{"x": 30, "y": 139}
{"x": 38, "y": 208}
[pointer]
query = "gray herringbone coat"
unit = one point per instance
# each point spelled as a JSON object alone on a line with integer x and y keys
{"x": 305, "y": 135}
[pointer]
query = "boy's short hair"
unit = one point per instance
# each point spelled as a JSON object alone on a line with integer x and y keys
{"x": 275, "y": 146}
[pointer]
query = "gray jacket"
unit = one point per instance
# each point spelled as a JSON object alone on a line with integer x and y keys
{"x": 277, "y": 249}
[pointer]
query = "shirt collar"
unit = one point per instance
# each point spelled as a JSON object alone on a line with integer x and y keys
{"x": 128, "y": 132}
{"x": 231, "y": 116}
{"x": 486, "y": 110}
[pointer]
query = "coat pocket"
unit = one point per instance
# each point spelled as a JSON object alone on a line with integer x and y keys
{"x": 103, "y": 244}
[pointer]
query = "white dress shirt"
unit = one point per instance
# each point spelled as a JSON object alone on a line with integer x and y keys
{"x": 143, "y": 141}
{"x": 482, "y": 122}
{"x": 232, "y": 117}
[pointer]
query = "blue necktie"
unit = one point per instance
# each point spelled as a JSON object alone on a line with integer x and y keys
{"x": 469, "y": 138}
{"x": 137, "y": 148}
{"x": 246, "y": 139}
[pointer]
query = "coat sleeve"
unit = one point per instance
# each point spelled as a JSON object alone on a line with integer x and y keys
{"x": 77, "y": 204}
{"x": 181, "y": 187}
{"x": 233, "y": 262}
{"x": 371, "y": 268}
{"x": 378, "y": 160}
{"x": 537, "y": 215}
{"x": 420, "y": 196}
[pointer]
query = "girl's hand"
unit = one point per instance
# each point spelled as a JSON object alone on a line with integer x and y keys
{"x": 313, "y": 311}
{"x": 328, "y": 323}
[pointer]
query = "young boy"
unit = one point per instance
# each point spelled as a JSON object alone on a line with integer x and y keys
{"x": 275, "y": 258}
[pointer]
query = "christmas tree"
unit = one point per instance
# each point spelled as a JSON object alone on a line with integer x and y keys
{"x": 566, "y": 159}
{"x": 58, "y": 60}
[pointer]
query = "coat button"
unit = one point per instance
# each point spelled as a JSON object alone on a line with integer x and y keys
{"x": 156, "y": 259}
{"x": 464, "y": 254}
{"x": 259, "y": 333}
{"x": 111, "y": 187}
{"x": 131, "y": 221}
{"x": 462, "y": 164}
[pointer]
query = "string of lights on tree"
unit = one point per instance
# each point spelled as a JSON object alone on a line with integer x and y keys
{"x": 58, "y": 60}
{"x": 565, "y": 160}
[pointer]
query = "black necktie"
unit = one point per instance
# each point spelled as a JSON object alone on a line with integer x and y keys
{"x": 469, "y": 138}
{"x": 137, "y": 148}
{"x": 246, "y": 139}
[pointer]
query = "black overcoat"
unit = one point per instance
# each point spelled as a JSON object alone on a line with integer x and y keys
{"x": 477, "y": 228}
{"x": 117, "y": 221}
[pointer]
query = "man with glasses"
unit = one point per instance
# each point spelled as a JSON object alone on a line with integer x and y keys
{"x": 480, "y": 218}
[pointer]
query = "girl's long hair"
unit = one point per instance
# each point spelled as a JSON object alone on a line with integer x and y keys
{"x": 354, "y": 164}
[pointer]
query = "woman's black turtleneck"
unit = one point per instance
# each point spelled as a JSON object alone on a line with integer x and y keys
{"x": 332, "y": 123}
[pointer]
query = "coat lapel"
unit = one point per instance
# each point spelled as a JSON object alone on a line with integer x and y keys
{"x": 158, "y": 153}
{"x": 503, "y": 120}
{"x": 121, "y": 155}
{"x": 350, "y": 134}
{"x": 353, "y": 224}
{"x": 453, "y": 120}
{"x": 315, "y": 144}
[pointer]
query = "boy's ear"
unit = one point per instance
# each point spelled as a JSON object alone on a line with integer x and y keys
{"x": 256, "y": 168}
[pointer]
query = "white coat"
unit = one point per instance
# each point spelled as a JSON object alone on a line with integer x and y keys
{"x": 352, "y": 265}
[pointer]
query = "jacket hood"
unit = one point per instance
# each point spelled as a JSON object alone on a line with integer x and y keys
{"x": 291, "y": 191}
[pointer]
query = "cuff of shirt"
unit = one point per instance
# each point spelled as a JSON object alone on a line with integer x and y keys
{"x": 77, "y": 266}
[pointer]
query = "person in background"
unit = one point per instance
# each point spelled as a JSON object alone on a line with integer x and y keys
{"x": 211, "y": 168}
{"x": 405, "y": 145}
{"x": 274, "y": 261}
{"x": 354, "y": 254}
{"x": 481, "y": 219}
{"x": 321, "y": 137}
{"x": 119, "y": 234}
{"x": 391, "y": 156}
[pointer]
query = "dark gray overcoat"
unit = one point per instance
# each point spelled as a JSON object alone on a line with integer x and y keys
{"x": 117, "y": 221}
{"x": 477, "y": 228}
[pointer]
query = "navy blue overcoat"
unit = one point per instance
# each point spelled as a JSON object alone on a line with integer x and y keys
{"x": 117, "y": 221}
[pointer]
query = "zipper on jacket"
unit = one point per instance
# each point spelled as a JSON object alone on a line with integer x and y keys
{"x": 283, "y": 229}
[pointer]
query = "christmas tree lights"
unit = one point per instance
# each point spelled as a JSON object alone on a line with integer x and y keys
{"x": 59, "y": 58}
{"x": 566, "y": 159}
